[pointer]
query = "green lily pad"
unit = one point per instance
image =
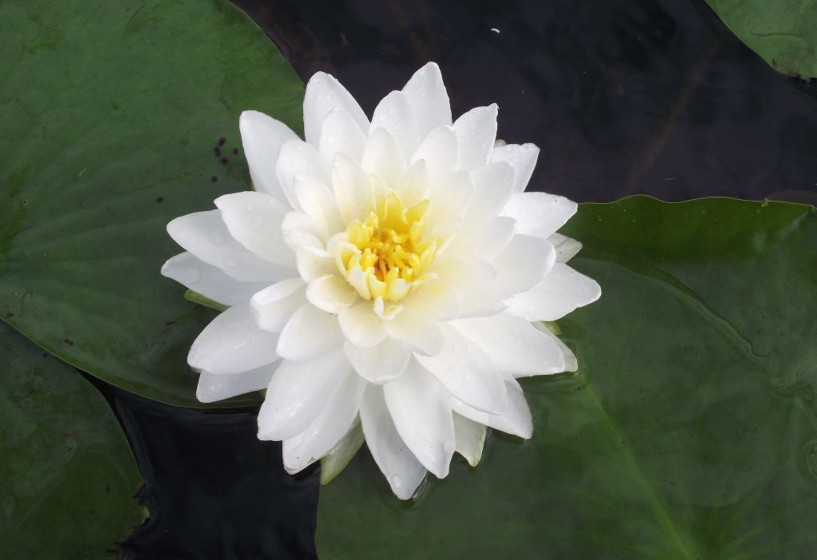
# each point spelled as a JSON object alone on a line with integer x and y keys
{"x": 689, "y": 432}
{"x": 118, "y": 117}
{"x": 783, "y": 32}
{"x": 67, "y": 478}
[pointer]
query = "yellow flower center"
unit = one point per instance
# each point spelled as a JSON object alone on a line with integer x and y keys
{"x": 387, "y": 254}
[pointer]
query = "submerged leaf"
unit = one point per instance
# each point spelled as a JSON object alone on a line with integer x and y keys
{"x": 67, "y": 478}
{"x": 690, "y": 430}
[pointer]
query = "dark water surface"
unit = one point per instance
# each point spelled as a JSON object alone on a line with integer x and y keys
{"x": 622, "y": 96}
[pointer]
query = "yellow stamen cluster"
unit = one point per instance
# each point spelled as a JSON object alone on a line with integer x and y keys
{"x": 387, "y": 254}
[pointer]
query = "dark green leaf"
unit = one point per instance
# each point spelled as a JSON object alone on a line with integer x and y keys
{"x": 118, "y": 117}
{"x": 67, "y": 477}
{"x": 689, "y": 432}
{"x": 783, "y": 32}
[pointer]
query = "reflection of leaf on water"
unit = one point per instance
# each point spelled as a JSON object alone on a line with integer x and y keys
{"x": 689, "y": 431}
{"x": 783, "y": 32}
{"x": 67, "y": 478}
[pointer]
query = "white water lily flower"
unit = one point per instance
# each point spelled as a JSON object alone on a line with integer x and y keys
{"x": 384, "y": 276}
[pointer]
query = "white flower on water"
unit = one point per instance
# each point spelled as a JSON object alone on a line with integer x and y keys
{"x": 382, "y": 281}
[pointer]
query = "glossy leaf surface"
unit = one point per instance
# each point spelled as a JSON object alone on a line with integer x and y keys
{"x": 118, "y": 117}
{"x": 67, "y": 477}
{"x": 689, "y": 432}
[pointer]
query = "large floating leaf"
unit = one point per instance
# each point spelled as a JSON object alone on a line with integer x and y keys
{"x": 783, "y": 32}
{"x": 690, "y": 431}
{"x": 67, "y": 477}
{"x": 116, "y": 118}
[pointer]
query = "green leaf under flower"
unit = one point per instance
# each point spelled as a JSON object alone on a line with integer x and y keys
{"x": 118, "y": 117}
{"x": 690, "y": 430}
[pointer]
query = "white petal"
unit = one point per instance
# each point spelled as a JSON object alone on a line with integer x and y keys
{"x": 556, "y": 295}
{"x": 470, "y": 438}
{"x": 300, "y": 231}
{"x": 205, "y": 235}
{"x": 522, "y": 264}
{"x": 298, "y": 393}
{"x": 467, "y": 372}
{"x": 273, "y": 306}
{"x": 522, "y": 158}
{"x": 312, "y": 265}
{"x": 513, "y": 345}
{"x": 323, "y": 95}
{"x": 474, "y": 280}
{"x": 361, "y": 326}
{"x": 353, "y": 189}
{"x": 378, "y": 364}
{"x": 571, "y": 363}
{"x": 440, "y": 152}
{"x": 476, "y": 135}
{"x": 539, "y": 214}
{"x": 318, "y": 202}
{"x": 419, "y": 408}
{"x": 308, "y": 334}
{"x": 418, "y": 333}
{"x": 263, "y": 137}
{"x": 333, "y": 463}
{"x": 428, "y": 98}
{"x": 566, "y": 247}
{"x": 414, "y": 185}
{"x": 493, "y": 185}
{"x": 383, "y": 157}
{"x": 340, "y": 133}
{"x": 233, "y": 343}
{"x": 299, "y": 158}
{"x": 328, "y": 429}
{"x": 214, "y": 387}
{"x": 493, "y": 237}
{"x": 254, "y": 220}
{"x": 209, "y": 281}
{"x": 401, "y": 468}
{"x": 450, "y": 197}
{"x": 516, "y": 420}
{"x": 331, "y": 293}
{"x": 395, "y": 114}
{"x": 437, "y": 300}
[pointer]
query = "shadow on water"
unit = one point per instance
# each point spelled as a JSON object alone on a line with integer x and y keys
{"x": 622, "y": 96}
